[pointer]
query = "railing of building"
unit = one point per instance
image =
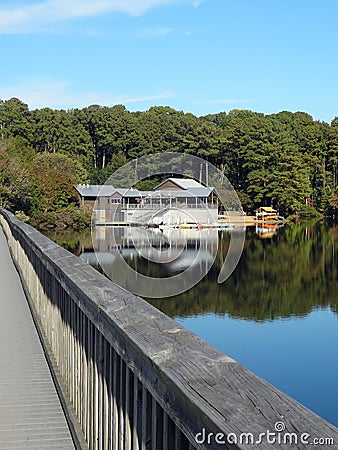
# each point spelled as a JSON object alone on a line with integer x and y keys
{"x": 158, "y": 206}
{"x": 136, "y": 379}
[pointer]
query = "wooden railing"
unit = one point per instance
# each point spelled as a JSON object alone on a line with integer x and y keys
{"x": 135, "y": 379}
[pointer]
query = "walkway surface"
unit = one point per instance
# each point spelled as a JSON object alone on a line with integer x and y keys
{"x": 31, "y": 416}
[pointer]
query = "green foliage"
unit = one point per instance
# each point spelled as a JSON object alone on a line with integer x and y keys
{"x": 307, "y": 212}
{"x": 67, "y": 217}
{"x": 333, "y": 203}
{"x": 41, "y": 190}
{"x": 286, "y": 160}
{"x": 21, "y": 216}
{"x": 18, "y": 189}
{"x": 56, "y": 175}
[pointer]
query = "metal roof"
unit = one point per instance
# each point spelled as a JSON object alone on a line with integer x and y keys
{"x": 93, "y": 190}
{"x": 183, "y": 183}
{"x": 132, "y": 192}
{"x": 199, "y": 192}
{"x": 266, "y": 209}
{"x": 191, "y": 189}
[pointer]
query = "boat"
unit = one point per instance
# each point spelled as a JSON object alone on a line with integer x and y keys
{"x": 200, "y": 226}
{"x": 267, "y": 214}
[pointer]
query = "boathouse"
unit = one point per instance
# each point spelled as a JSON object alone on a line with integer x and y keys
{"x": 174, "y": 201}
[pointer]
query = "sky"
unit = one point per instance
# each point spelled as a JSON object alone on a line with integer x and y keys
{"x": 199, "y": 56}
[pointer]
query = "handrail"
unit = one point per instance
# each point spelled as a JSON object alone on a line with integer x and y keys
{"x": 135, "y": 378}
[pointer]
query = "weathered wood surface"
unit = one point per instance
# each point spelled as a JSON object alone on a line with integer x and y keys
{"x": 196, "y": 386}
{"x": 31, "y": 416}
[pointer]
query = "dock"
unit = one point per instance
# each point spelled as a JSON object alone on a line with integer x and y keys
{"x": 31, "y": 416}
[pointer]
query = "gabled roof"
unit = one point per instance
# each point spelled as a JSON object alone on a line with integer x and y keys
{"x": 266, "y": 209}
{"x": 132, "y": 192}
{"x": 182, "y": 183}
{"x": 93, "y": 190}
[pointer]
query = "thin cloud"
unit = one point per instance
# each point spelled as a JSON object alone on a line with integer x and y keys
{"x": 59, "y": 95}
{"x": 42, "y": 15}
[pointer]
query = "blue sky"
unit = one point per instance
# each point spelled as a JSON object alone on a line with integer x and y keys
{"x": 199, "y": 56}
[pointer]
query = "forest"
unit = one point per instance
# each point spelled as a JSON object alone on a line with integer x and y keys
{"x": 286, "y": 160}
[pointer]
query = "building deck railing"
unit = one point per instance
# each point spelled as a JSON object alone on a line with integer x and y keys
{"x": 172, "y": 206}
{"x": 136, "y": 379}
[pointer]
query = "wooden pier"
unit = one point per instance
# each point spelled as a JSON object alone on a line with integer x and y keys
{"x": 130, "y": 377}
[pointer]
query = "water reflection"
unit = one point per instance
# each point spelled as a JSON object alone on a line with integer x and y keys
{"x": 290, "y": 274}
{"x": 267, "y": 230}
{"x": 160, "y": 262}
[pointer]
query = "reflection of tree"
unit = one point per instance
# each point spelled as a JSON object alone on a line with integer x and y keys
{"x": 292, "y": 275}
{"x": 73, "y": 241}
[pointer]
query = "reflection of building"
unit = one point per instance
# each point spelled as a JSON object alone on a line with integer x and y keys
{"x": 174, "y": 201}
{"x": 172, "y": 247}
{"x": 266, "y": 231}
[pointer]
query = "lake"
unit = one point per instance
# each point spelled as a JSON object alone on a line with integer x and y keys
{"x": 277, "y": 313}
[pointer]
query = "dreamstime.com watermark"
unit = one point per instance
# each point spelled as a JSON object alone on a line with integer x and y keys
{"x": 279, "y": 436}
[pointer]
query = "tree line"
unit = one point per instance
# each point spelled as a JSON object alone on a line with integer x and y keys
{"x": 287, "y": 160}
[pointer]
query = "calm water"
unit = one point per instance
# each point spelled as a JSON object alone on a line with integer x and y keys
{"x": 277, "y": 314}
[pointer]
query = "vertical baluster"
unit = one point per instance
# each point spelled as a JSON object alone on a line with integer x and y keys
{"x": 115, "y": 401}
{"x": 105, "y": 378}
{"x": 171, "y": 434}
{"x": 66, "y": 356}
{"x": 157, "y": 425}
{"x": 111, "y": 399}
{"x": 121, "y": 404}
{"x": 135, "y": 413}
{"x": 72, "y": 353}
{"x": 85, "y": 374}
{"x": 90, "y": 385}
{"x": 146, "y": 419}
{"x": 177, "y": 439}
{"x": 78, "y": 362}
{"x": 96, "y": 390}
{"x": 153, "y": 424}
{"x": 165, "y": 431}
{"x": 99, "y": 389}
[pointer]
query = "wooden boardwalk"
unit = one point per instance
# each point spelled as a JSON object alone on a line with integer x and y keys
{"x": 31, "y": 416}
